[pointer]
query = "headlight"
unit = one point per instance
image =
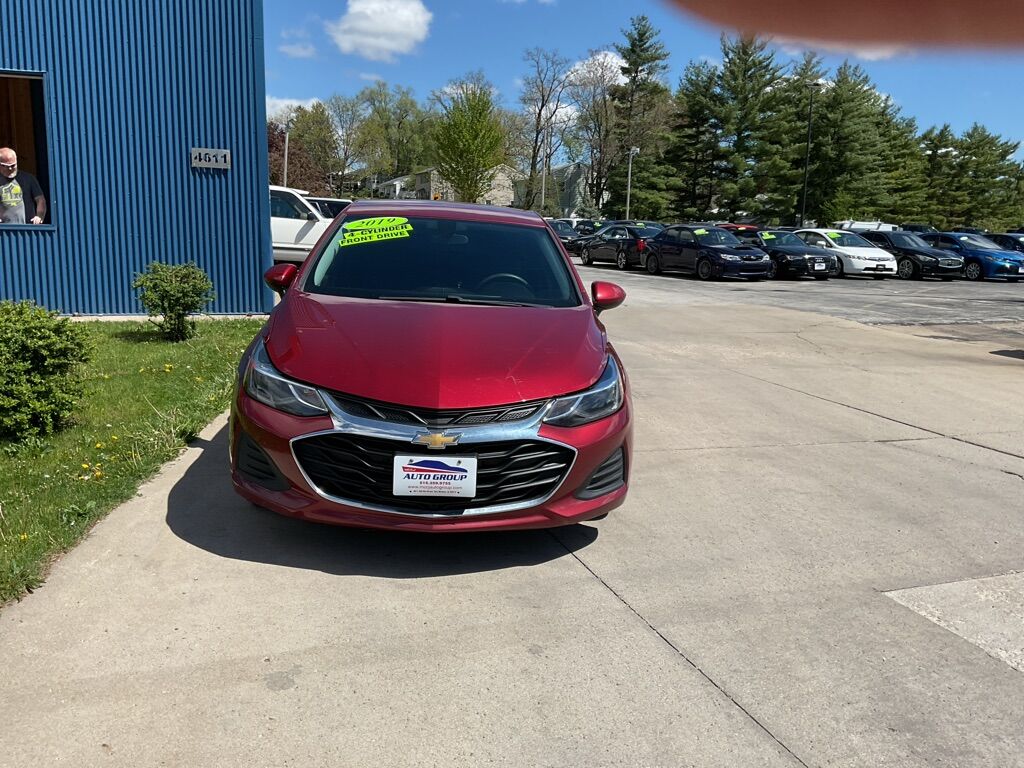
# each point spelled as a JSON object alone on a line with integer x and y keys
{"x": 764, "y": 257}
{"x": 263, "y": 382}
{"x": 602, "y": 399}
{"x": 729, "y": 257}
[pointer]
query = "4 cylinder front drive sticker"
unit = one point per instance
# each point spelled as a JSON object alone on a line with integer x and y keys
{"x": 375, "y": 229}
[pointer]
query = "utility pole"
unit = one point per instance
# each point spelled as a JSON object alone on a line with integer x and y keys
{"x": 812, "y": 87}
{"x": 287, "y": 128}
{"x": 545, "y": 148}
{"x": 629, "y": 176}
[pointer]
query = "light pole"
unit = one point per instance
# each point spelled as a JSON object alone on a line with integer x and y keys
{"x": 811, "y": 87}
{"x": 287, "y": 130}
{"x": 629, "y": 176}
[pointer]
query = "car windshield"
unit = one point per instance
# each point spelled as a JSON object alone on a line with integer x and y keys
{"x": 904, "y": 240}
{"x": 716, "y": 236}
{"x": 977, "y": 241}
{"x": 562, "y": 228}
{"x": 781, "y": 238}
{"x": 848, "y": 239}
{"x": 445, "y": 260}
{"x": 645, "y": 231}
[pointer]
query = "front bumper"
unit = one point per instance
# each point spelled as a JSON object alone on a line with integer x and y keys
{"x": 1008, "y": 270}
{"x": 940, "y": 270}
{"x": 743, "y": 268}
{"x": 291, "y": 491}
{"x": 801, "y": 267}
{"x": 861, "y": 267}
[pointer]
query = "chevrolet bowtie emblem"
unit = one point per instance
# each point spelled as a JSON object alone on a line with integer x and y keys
{"x": 436, "y": 440}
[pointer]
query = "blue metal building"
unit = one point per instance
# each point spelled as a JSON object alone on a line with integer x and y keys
{"x": 105, "y": 102}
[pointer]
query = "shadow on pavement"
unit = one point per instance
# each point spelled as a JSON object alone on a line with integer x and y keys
{"x": 203, "y": 510}
{"x": 1014, "y": 353}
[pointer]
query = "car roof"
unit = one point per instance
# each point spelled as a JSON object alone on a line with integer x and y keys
{"x": 446, "y": 210}
{"x": 300, "y": 192}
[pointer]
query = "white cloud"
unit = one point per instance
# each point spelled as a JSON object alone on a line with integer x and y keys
{"x": 276, "y": 106}
{"x": 602, "y": 62}
{"x": 371, "y": 76}
{"x": 298, "y": 50}
{"x": 794, "y": 47}
{"x": 379, "y": 29}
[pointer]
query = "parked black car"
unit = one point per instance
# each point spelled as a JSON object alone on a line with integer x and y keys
{"x": 918, "y": 228}
{"x": 1010, "y": 241}
{"x": 915, "y": 258}
{"x": 707, "y": 252}
{"x": 566, "y": 234}
{"x": 618, "y": 243}
{"x": 790, "y": 256}
{"x": 588, "y": 226}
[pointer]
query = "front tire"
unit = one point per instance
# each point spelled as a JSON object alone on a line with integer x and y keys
{"x": 622, "y": 260}
{"x": 705, "y": 270}
{"x": 973, "y": 271}
{"x": 906, "y": 269}
{"x": 653, "y": 267}
{"x": 840, "y": 269}
{"x": 585, "y": 256}
{"x": 773, "y": 269}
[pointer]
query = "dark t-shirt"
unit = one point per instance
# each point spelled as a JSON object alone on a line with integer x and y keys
{"x": 18, "y": 198}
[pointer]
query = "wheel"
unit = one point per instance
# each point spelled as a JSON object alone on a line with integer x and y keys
{"x": 821, "y": 277}
{"x": 840, "y": 269}
{"x": 705, "y": 269}
{"x": 906, "y": 269}
{"x": 622, "y": 260}
{"x": 653, "y": 267}
{"x": 584, "y": 256}
{"x": 1012, "y": 279}
{"x": 773, "y": 270}
{"x": 973, "y": 271}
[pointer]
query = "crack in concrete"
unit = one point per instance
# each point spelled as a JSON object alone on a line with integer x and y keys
{"x": 784, "y": 445}
{"x": 680, "y": 652}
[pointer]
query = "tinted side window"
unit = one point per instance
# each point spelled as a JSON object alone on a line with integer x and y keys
{"x": 282, "y": 206}
{"x": 686, "y": 237}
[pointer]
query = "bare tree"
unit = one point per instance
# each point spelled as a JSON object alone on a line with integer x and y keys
{"x": 347, "y": 114}
{"x": 542, "y": 98}
{"x": 589, "y": 89}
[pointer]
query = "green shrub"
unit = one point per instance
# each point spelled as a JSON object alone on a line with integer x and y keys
{"x": 40, "y": 383}
{"x": 173, "y": 292}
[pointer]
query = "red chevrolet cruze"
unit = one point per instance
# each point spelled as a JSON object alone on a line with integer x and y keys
{"x": 434, "y": 367}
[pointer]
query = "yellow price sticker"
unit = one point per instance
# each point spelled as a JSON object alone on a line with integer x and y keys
{"x": 374, "y": 230}
{"x": 700, "y": 231}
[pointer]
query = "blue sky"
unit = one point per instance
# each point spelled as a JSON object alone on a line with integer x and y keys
{"x": 315, "y": 48}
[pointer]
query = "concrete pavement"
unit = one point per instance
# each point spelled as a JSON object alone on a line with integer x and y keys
{"x": 792, "y": 470}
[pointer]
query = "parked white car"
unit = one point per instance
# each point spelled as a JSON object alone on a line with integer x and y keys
{"x": 295, "y": 224}
{"x": 854, "y": 254}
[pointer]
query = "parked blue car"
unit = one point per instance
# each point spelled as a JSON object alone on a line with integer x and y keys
{"x": 983, "y": 259}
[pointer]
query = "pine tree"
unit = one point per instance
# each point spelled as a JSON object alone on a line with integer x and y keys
{"x": 988, "y": 177}
{"x": 642, "y": 108}
{"x": 946, "y": 198}
{"x": 695, "y": 150}
{"x": 801, "y": 99}
{"x": 903, "y": 168}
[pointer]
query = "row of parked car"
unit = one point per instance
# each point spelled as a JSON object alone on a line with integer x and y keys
{"x": 711, "y": 251}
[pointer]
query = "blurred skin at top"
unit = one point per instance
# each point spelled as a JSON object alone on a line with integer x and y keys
{"x": 914, "y": 23}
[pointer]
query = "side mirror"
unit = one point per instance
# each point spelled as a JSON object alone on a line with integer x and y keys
{"x": 606, "y": 295}
{"x": 312, "y": 217}
{"x": 821, "y": 243}
{"x": 279, "y": 277}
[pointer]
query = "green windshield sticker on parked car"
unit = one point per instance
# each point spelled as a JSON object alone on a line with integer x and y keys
{"x": 767, "y": 236}
{"x": 374, "y": 230}
{"x": 834, "y": 235}
{"x": 700, "y": 231}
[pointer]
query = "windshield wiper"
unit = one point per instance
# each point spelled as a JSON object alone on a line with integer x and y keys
{"x": 454, "y": 298}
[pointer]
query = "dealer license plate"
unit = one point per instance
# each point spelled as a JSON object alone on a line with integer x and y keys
{"x": 434, "y": 476}
{"x": 819, "y": 266}
{"x": 1020, "y": 269}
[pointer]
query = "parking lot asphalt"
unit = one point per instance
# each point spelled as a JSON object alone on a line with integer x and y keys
{"x": 819, "y": 564}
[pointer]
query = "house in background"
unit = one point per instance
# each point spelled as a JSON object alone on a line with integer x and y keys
{"x": 430, "y": 186}
{"x": 571, "y": 182}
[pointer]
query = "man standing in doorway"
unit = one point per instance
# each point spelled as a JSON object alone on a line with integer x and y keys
{"x": 21, "y": 197}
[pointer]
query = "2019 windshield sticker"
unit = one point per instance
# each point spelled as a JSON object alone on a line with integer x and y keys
{"x": 374, "y": 230}
{"x": 767, "y": 236}
{"x": 700, "y": 231}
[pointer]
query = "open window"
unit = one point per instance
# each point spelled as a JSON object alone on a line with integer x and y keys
{"x": 23, "y": 127}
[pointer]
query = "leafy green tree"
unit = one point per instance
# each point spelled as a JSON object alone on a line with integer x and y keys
{"x": 392, "y": 140}
{"x": 303, "y": 172}
{"x": 469, "y": 137}
{"x": 347, "y": 115}
{"x": 643, "y": 107}
{"x": 313, "y": 131}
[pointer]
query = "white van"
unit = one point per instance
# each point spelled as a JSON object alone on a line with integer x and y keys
{"x": 865, "y": 226}
{"x": 295, "y": 224}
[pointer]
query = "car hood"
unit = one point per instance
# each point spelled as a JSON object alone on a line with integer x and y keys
{"x": 1005, "y": 255}
{"x": 438, "y": 356}
{"x": 800, "y": 250}
{"x": 860, "y": 252}
{"x": 735, "y": 250}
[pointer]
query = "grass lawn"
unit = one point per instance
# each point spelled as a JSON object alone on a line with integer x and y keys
{"x": 145, "y": 398}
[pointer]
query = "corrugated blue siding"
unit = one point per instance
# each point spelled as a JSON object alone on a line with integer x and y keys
{"x": 131, "y": 86}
